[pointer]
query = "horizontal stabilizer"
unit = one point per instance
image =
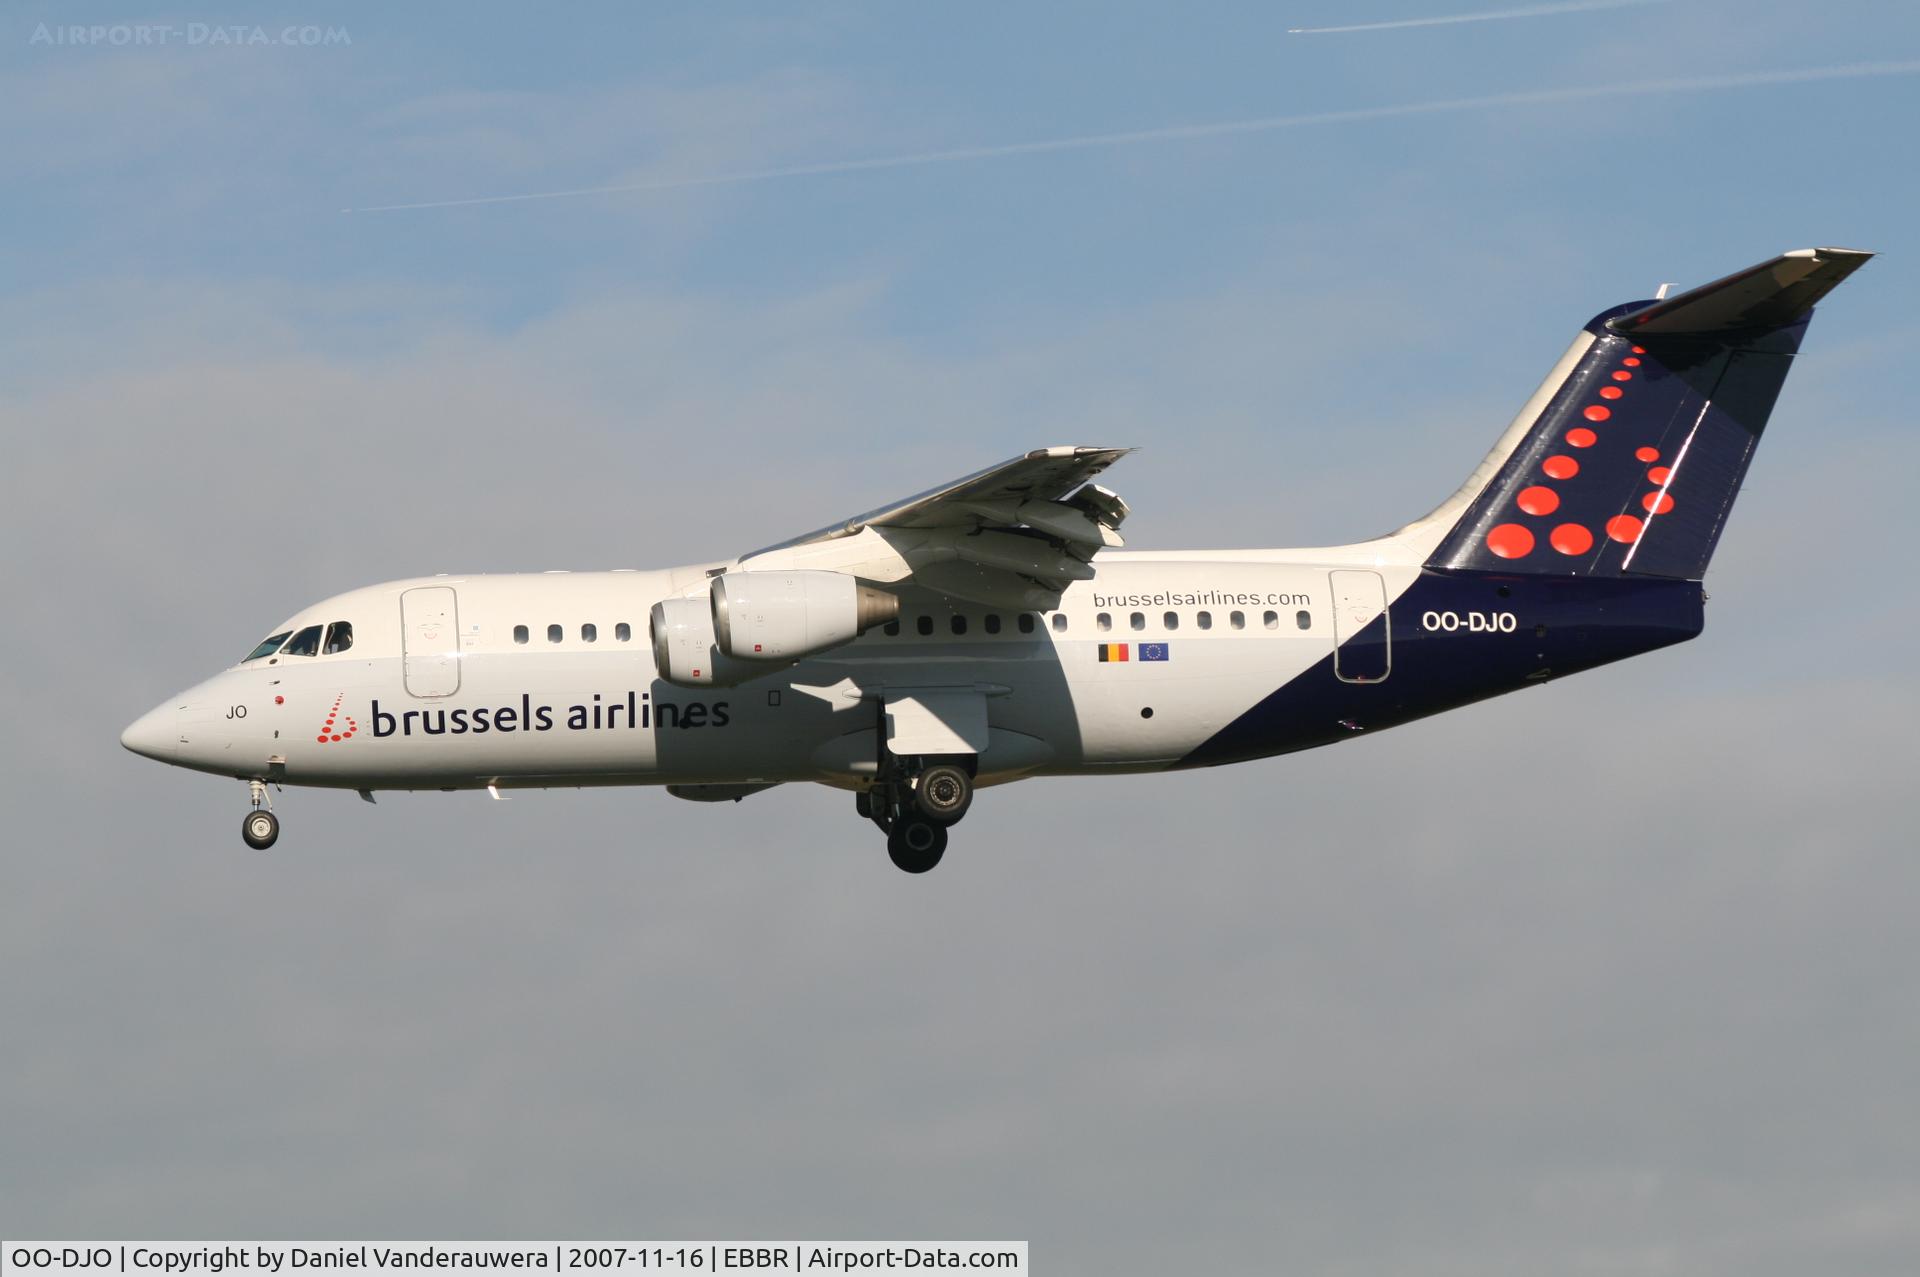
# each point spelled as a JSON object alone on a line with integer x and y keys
{"x": 1770, "y": 295}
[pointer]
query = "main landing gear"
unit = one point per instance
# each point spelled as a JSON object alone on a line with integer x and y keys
{"x": 914, "y": 809}
{"x": 261, "y": 827}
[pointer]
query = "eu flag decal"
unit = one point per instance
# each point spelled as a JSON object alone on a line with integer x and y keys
{"x": 1155, "y": 652}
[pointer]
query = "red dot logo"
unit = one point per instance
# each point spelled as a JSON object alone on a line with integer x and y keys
{"x": 1657, "y": 502}
{"x": 1646, "y": 454}
{"x": 1571, "y": 538}
{"x": 1597, "y": 412}
{"x": 327, "y": 734}
{"x": 1631, "y": 363}
{"x": 1639, "y": 350}
{"x": 1623, "y": 375}
{"x": 1510, "y": 541}
{"x": 1539, "y": 500}
{"x": 1611, "y": 392}
{"x": 1560, "y": 467}
{"x": 1659, "y": 474}
{"x": 1581, "y": 437}
{"x": 1624, "y": 528}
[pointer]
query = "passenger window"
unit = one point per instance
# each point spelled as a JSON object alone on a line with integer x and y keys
{"x": 519, "y": 633}
{"x": 1026, "y": 622}
{"x": 924, "y": 625}
{"x": 1238, "y": 620}
{"x": 993, "y": 622}
{"x": 1304, "y": 620}
{"x": 622, "y": 632}
{"x": 589, "y": 632}
{"x": 268, "y": 646}
{"x": 1103, "y": 622}
{"x": 339, "y": 638}
{"x": 1271, "y": 620}
{"x": 1172, "y": 619}
{"x": 1204, "y": 620}
{"x": 891, "y": 629}
{"x": 1059, "y": 622}
{"x": 553, "y": 633}
{"x": 305, "y": 643}
{"x": 958, "y": 623}
{"x": 1137, "y": 621}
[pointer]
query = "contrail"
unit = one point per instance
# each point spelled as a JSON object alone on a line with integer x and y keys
{"x": 1495, "y": 15}
{"x": 1224, "y": 128}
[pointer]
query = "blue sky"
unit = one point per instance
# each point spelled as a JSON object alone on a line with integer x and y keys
{"x": 176, "y": 161}
{"x": 1615, "y": 976}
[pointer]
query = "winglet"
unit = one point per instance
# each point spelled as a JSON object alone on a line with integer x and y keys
{"x": 1760, "y": 298}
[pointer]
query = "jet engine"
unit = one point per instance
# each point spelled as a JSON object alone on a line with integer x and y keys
{"x": 684, "y": 651}
{"x": 786, "y": 616}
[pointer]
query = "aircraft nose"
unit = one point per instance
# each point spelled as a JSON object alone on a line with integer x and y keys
{"x": 155, "y": 734}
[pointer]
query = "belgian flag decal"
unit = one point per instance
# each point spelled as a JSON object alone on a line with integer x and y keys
{"x": 1112, "y": 652}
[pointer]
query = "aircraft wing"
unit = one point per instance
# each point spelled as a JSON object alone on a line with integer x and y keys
{"x": 1013, "y": 535}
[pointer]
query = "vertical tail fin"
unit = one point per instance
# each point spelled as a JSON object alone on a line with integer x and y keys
{"x": 1634, "y": 462}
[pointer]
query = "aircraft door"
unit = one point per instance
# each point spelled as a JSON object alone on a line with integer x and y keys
{"x": 430, "y": 640}
{"x": 1362, "y": 637}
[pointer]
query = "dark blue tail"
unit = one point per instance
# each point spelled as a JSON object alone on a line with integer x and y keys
{"x": 1633, "y": 465}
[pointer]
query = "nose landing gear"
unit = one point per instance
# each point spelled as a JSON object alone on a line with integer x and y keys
{"x": 261, "y": 828}
{"x": 915, "y": 810}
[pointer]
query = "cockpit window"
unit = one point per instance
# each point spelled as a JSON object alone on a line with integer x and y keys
{"x": 305, "y": 643}
{"x": 339, "y": 637}
{"x": 268, "y": 646}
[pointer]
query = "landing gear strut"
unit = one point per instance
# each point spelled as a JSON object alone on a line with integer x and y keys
{"x": 261, "y": 827}
{"x": 914, "y": 803}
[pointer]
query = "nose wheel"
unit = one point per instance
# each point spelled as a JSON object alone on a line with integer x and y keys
{"x": 261, "y": 828}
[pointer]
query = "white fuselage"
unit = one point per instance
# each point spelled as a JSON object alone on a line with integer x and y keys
{"x": 549, "y": 678}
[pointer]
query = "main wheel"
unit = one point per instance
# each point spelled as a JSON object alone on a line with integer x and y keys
{"x": 916, "y": 844}
{"x": 943, "y": 793}
{"x": 260, "y": 828}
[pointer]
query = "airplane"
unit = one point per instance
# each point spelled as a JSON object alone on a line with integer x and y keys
{"x": 993, "y": 629}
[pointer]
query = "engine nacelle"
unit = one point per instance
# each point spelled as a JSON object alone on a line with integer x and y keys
{"x": 784, "y": 616}
{"x": 684, "y": 651}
